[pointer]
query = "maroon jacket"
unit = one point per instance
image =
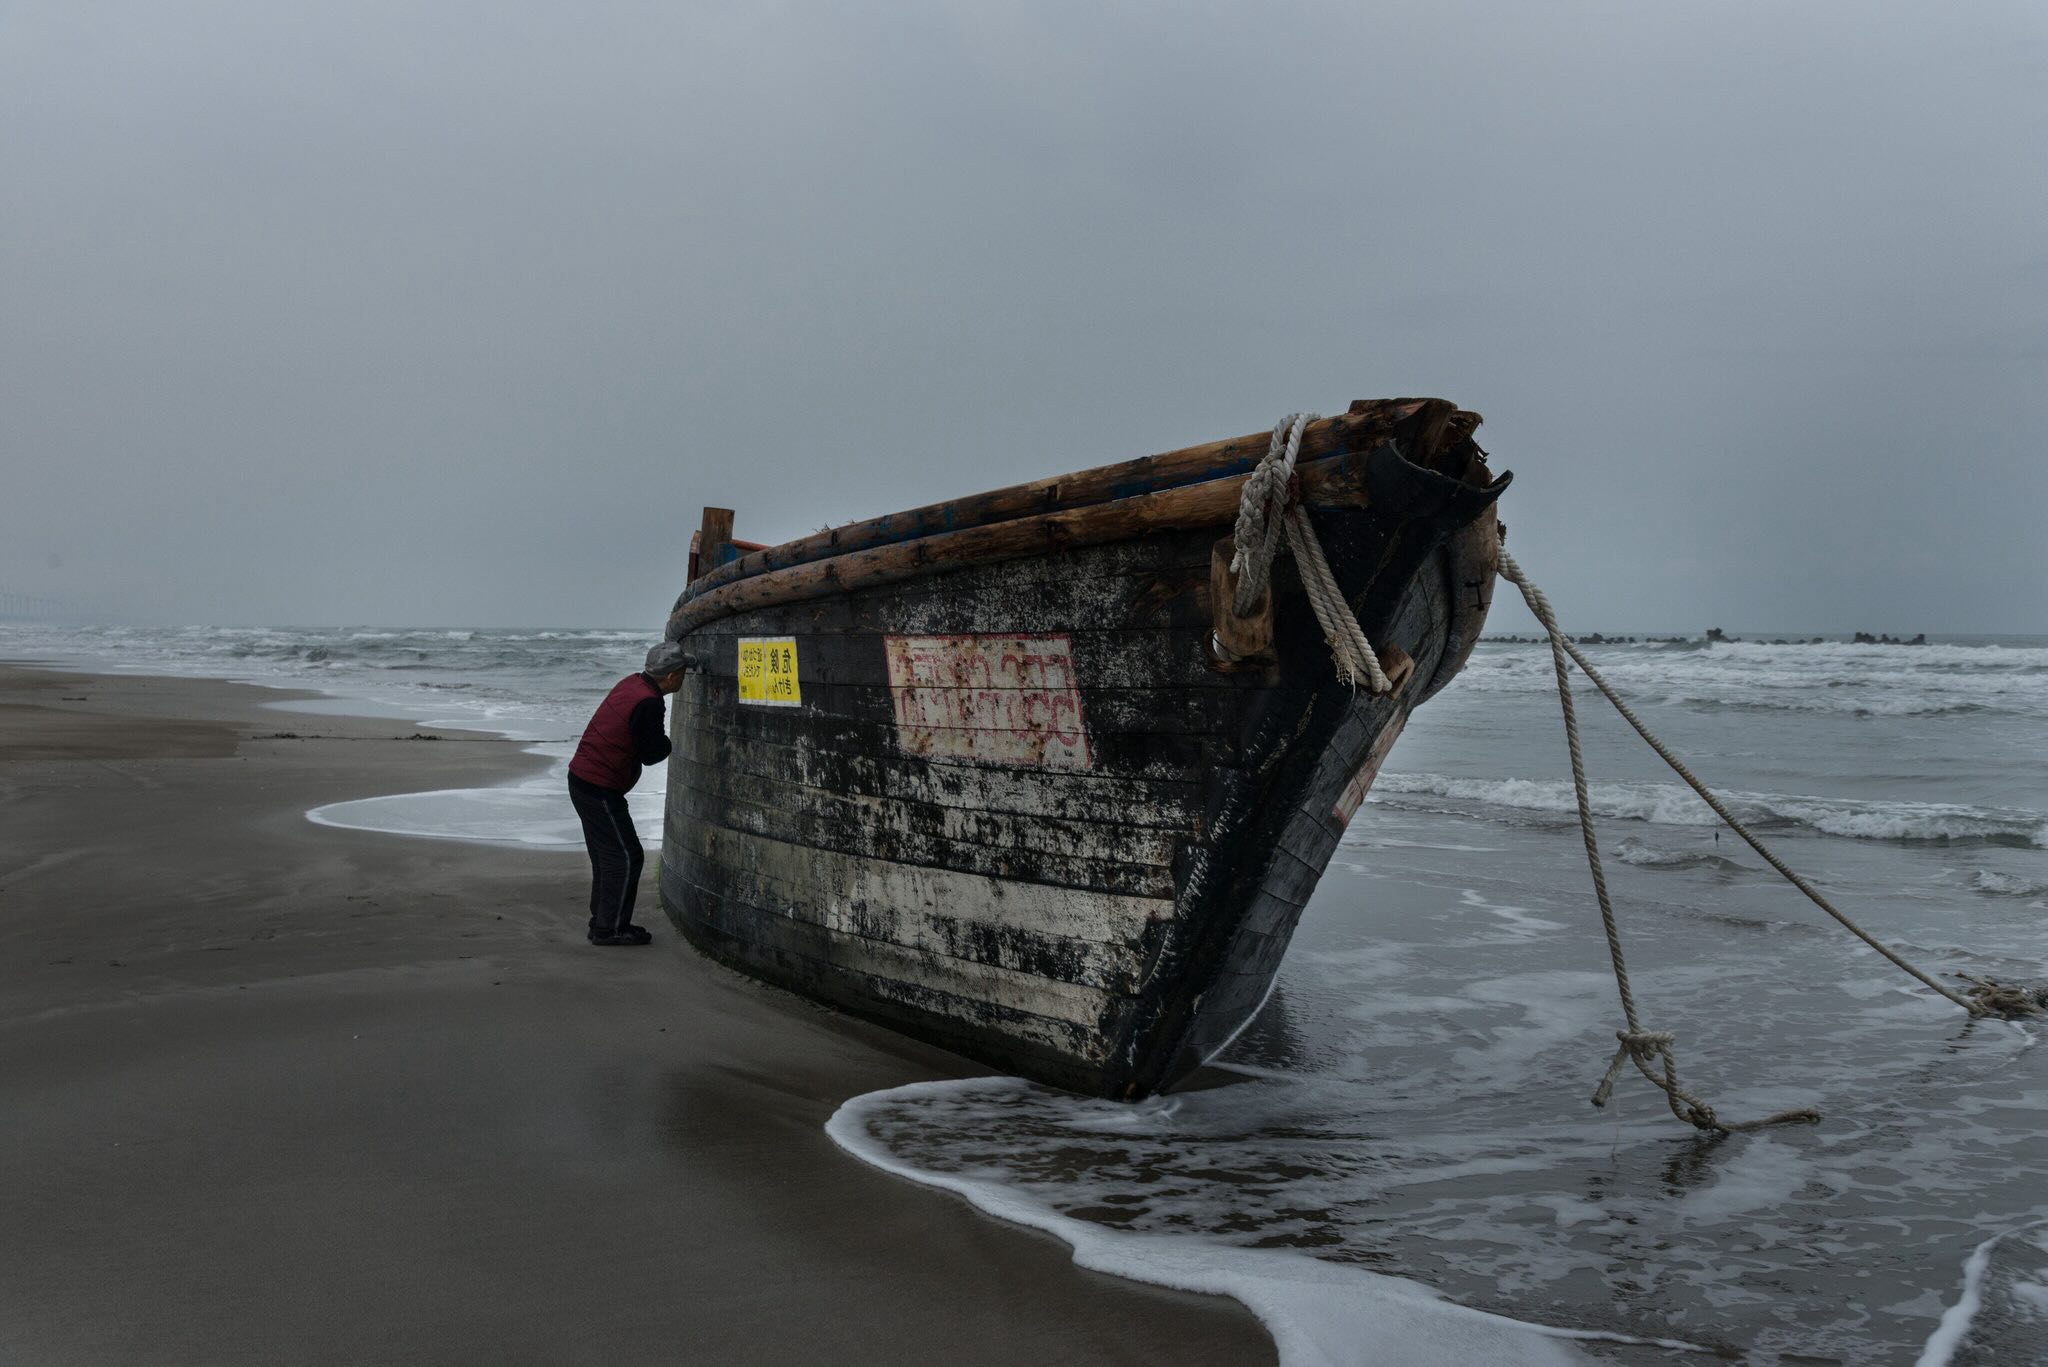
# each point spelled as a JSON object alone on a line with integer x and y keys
{"x": 624, "y": 734}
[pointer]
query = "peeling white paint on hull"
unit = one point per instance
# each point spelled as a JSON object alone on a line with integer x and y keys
{"x": 1016, "y": 808}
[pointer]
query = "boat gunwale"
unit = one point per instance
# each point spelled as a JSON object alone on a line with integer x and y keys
{"x": 1335, "y": 480}
{"x": 1224, "y": 459}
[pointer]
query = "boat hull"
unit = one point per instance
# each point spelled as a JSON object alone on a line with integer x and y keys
{"x": 1017, "y": 809}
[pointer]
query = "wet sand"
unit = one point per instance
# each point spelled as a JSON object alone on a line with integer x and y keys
{"x": 281, "y": 1092}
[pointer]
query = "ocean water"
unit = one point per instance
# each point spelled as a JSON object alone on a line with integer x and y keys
{"x": 534, "y": 685}
{"x": 1398, "y": 1162}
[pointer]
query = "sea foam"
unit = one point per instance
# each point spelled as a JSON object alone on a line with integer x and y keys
{"x": 2022, "y": 1288}
{"x": 1320, "y": 1314}
{"x": 1643, "y": 855}
{"x": 1832, "y": 677}
{"x": 1675, "y": 805}
{"x": 533, "y": 814}
{"x": 2007, "y": 885}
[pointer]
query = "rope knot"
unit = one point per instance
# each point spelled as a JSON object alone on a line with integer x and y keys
{"x": 1269, "y": 493}
{"x": 2007, "y": 1001}
{"x": 1987, "y": 997}
{"x": 1701, "y": 1117}
{"x": 1268, "y": 510}
{"x": 1646, "y": 1045}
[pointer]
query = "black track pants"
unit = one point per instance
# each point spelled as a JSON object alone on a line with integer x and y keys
{"x": 615, "y": 854}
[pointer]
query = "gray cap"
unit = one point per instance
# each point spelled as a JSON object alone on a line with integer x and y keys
{"x": 666, "y": 658}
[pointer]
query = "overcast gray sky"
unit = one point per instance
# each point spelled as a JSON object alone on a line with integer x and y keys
{"x": 421, "y": 313}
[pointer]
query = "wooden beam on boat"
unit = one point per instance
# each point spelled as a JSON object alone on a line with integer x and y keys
{"x": 1334, "y": 481}
{"x": 1367, "y": 421}
{"x": 711, "y": 540}
{"x": 1237, "y": 641}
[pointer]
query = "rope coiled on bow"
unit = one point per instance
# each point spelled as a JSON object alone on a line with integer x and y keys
{"x": 1267, "y": 509}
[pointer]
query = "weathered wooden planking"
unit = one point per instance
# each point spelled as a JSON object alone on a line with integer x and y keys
{"x": 820, "y": 876}
{"x": 1299, "y": 848}
{"x": 1085, "y": 595}
{"x": 1463, "y": 593}
{"x": 1157, "y": 804}
{"x": 864, "y": 824}
{"x": 846, "y": 683}
{"x": 1268, "y": 838}
{"x": 1162, "y": 755}
{"x": 903, "y": 838}
{"x": 760, "y": 937}
{"x": 1165, "y": 588}
{"x": 1148, "y": 711}
{"x": 1060, "y": 959}
{"x": 1149, "y": 658}
{"x": 932, "y": 944}
{"x": 800, "y": 957}
{"x": 1038, "y": 994}
{"x": 999, "y": 831}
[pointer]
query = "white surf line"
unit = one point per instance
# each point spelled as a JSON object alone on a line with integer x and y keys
{"x": 517, "y": 813}
{"x": 525, "y": 813}
{"x": 1955, "y": 1321}
{"x": 1320, "y": 1314}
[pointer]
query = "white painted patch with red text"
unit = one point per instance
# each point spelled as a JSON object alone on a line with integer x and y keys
{"x": 997, "y": 699}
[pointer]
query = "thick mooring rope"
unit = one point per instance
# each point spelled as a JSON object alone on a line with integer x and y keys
{"x": 1643, "y": 1047}
{"x": 1647, "y": 1047}
{"x": 1266, "y": 504}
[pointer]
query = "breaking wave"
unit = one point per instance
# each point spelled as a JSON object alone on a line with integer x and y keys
{"x": 2007, "y": 885}
{"x": 1832, "y": 677}
{"x": 1671, "y": 804}
{"x": 1320, "y": 1313}
{"x": 1646, "y": 856}
{"x": 529, "y": 684}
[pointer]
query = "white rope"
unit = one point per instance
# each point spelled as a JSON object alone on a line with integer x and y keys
{"x": 1644, "y": 1048}
{"x": 1647, "y": 1047}
{"x": 1561, "y": 646}
{"x": 1266, "y": 504}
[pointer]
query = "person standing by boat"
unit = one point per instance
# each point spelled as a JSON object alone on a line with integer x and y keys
{"x": 627, "y": 732}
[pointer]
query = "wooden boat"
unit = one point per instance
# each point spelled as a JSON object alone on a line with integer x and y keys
{"x": 1012, "y": 775}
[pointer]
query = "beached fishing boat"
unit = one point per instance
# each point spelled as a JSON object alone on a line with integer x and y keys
{"x": 1023, "y": 774}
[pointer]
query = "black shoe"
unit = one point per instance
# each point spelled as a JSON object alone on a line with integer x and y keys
{"x": 627, "y": 935}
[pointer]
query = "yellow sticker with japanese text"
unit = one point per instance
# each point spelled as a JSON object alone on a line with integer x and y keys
{"x": 768, "y": 671}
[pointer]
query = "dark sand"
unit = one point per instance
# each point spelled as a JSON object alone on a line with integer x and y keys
{"x": 274, "y": 1092}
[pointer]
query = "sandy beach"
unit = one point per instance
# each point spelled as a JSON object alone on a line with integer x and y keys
{"x": 282, "y": 1092}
